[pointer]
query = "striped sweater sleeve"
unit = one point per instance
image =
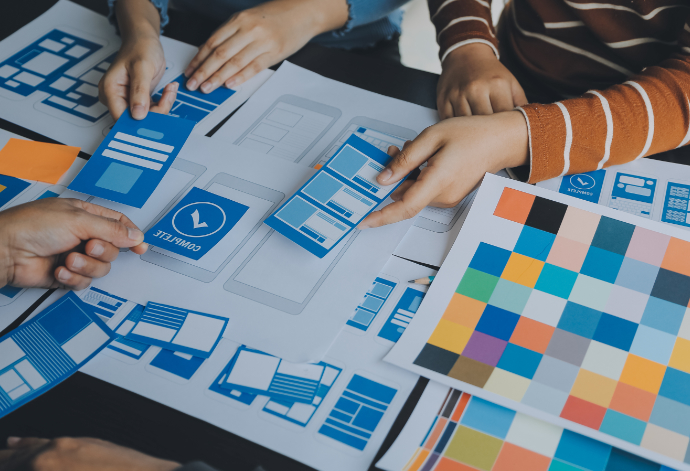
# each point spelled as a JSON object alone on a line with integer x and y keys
{"x": 460, "y": 22}
{"x": 647, "y": 114}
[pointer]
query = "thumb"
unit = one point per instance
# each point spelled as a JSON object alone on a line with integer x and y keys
{"x": 97, "y": 222}
{"x": 413, "y": 154}
{"x": 27, "y": 442}
{"x": 140, "y": 90}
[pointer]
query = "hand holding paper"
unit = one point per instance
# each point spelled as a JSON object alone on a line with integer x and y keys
{"x": 62, "y": 242}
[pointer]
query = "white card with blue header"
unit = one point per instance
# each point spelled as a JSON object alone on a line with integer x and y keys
{"x": 48, "y": 349}
{"x": 335, "y": 199}
{"x": 180, "y": 330}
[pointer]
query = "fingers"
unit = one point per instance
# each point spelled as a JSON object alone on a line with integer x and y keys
{"x": 480, "y": 104}
{"x": 17, "y": 443}
{"x": 412, "y": 155}
{"x": 111, "y": 92}
{"x": 519, "y": 97}
{"x": 416, "y": 198}
{"x": 106, "y": 225}
{"x": 222, "y": 54}
{"x": 79, "y": 264}
{"x": 68, "y": 280}
{"x": 232, "y": 66}
{"x": 140, "y": 89}
{"x": 254, "y": 67}
{"x": 501, "y": 99}
{"x": 167, "y": 100}
{"x": 216, "y": 39}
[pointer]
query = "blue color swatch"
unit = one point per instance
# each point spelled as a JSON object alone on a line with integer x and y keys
{"x": 335, "y": 199}
{"x": 196, "y": 224}
{"x": 48, "y": 349}
{"x": 129, "y": 164}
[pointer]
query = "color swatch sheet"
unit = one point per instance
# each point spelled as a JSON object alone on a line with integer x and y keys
{"x": 181, "y": 330}
{"x": 648, "y": 188}
{"x": 256, "y": 372}
{"x": 456, "y": 431}
{"x": 133, "y": 158}
{"x": 356, "y": 402}
{"x": 335, "y": 199}
{"x": 568, "y": 311}
{"x": 48, "y": 349}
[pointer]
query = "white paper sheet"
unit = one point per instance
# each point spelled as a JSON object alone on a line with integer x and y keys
{"x": 274, "y": 292}
{"x": 641, "y": 188}
{"x": 66, "y": 125}
{"x": 294, "y": 433}
{"x": 13, "y": 307}
{"x": 416, "y": 428}
{"x": 303, "y": 117}
{"x": 479, "y": 229}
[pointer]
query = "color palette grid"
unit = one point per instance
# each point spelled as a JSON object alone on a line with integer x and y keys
{"x": 585, "y": 319}
{"x": 470, "y": 433}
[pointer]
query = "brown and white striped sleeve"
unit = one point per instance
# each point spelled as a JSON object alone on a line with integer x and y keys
{"x": 461, "y": 22}
{"x": 648, "y": 114}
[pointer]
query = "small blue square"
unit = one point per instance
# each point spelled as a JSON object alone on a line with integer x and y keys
{"x": 583, "y": 451}
{"x": 613, "y": 235}
{"x": 663, "y": 315}
{"x": 623, "y": 426}
{"x": 623, "y": 461}
{"x": 676, "y": 386}
{"x": 671, "y": 415}
{"x": 488, "y": 417}
{"x": 637, "y": 276}
{"x": 367, "y": 418}
{"x": 653, "y": 344}
{"x": 534, "y": 243}
{"x": 497, "y": 322}
{"x": 556, "y": 280}
{"x": 519, "y": 360}
{"x": 614, "y": 331}
{"x": 118, "y": 177}
{"x": 490, "y": 259}
{"x": 196, "y": 224}
{"x": 602, "y": 264}
{"x": 579, "y": 320}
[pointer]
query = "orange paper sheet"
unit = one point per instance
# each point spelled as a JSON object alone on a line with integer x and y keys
{"x": 39, "y": 161}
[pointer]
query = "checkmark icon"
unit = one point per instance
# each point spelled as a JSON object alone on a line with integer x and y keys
{"x": 195, "y": 220}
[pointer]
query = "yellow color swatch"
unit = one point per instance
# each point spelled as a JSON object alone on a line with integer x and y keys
{"x": 594, "y": 388}
{"x": 523, "y": 270}
{"x": 464, "y": 311}
{"x": 450, "y": 336}
{"x": 680, "y": 358}
{"x": 643, "y": 374}
{"x": 39, "y": 161}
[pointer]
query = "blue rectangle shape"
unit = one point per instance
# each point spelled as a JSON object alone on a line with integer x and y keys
{"x": 346, "y": 438}
{"x": 112, "y": 176}
{"x": 10, "y": 291}
{"x": 340, "y": 416}
{"x": 166, "y": 360}
{"x": 583, "y": 451}
{"x": 347, "y": 428}
{"x": 367, "y": 418}
{"x": 488, "y": 417}
{"x": 196, "y": 224}
{"x": 172, "y": 320}
{"x": 409, "y": 302}
{"x": 347, "y": 405}
{"x": 282, "y": 387}
{"x": 10, "y": 187}
{"x": 676, "y": 386}
{"x": 42, "y": 344}
{"x": 372, "y": 389}
{"x": 343, "y": 167}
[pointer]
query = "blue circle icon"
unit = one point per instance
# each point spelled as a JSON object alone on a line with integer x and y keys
{"x": 582, "y": 181}
{"x": 200, "y": 219}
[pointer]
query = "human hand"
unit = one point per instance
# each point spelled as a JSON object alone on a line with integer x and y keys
{"x": 57, "y": 242}
{"x": 138, "y": 66}
{"x": 76, "y": 454}
{"x": 259, "y": 37}
{"x": 458, "y": 152}
{"x": 474, "y": 82}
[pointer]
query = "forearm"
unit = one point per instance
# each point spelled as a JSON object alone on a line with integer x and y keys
{"x": 137, "y": 18}
{"x": 321, "y": 15}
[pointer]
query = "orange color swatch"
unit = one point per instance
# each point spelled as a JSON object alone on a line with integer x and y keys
{"x": 677, "y": 257}
{"x": 531, "y": 334}
{"x": 514, "y": 205}
{"x": 39, "y": 161}
{"x": 583, "y": 412}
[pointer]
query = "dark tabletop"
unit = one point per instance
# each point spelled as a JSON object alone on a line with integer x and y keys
{"x": 85, "y": 406}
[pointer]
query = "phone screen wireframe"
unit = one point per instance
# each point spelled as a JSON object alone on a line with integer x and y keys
{"x": 289, "y": 128}
{"x": 260, "y": 200}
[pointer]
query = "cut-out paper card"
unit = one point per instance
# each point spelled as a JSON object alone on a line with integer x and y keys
{"x": 196, "y": 224}
{"x": 194, "y": 105}
{"x": 335, "y": 199}
{"x": 48, "y": 349}
{"x": 10, "y": 187}
{"x": 133, "y": 158}
{"x": 38, "y": 161}
{"x": 256, "y": 372}
{"x": 180, "y": 330}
